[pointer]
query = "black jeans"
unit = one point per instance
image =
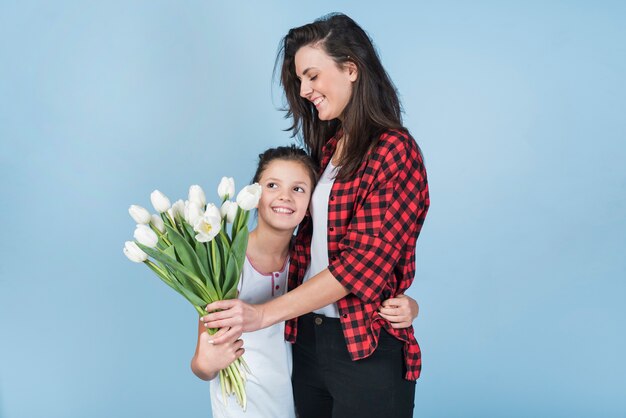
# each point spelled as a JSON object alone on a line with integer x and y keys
{"x": 327, "y": 383}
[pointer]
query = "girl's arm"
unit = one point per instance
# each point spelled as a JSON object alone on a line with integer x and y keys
{"x": 209, "y": 359}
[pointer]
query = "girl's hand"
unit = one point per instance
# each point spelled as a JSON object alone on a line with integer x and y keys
{"x": 210, "y": 358}
{"x": 399, "y": 311}
{"x": 234, "y": 314}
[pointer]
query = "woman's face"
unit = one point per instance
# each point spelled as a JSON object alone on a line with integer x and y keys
{"x": 287, "y": 189}
{"x": 323, "y": 83}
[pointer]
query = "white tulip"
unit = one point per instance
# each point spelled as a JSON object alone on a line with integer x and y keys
{"x": 226, "y": 188}
{"x": 196, "y": 195}
{"x": 139, "y": 214}
{"x": 160, "y": 202}
{"x": 158, "y": 223}
{"x": 229, "y": 211}
{"x": 178, "y": 208}
{"x": 248, "y": 197}
{"x": 192, "y": 212}
{"x": 208, "y": 226}
{"x": 146, "y": 236}
{"x": 212, "y": 210}
{"x": 134, "y": 253}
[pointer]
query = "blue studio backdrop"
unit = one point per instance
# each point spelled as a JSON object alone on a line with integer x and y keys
{"x": 518, "y": 108}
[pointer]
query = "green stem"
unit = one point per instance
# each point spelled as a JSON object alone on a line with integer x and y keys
{"x": 161, "y": 235}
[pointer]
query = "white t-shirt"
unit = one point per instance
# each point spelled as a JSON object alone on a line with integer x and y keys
{"x": 319, "y": 242}
{"x": 268, "y": 355}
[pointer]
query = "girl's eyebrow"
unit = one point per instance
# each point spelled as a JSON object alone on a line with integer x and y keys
{"x": 280, "y": 181}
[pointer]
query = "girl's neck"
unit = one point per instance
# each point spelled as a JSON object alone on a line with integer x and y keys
{"x": 268, "y": 247}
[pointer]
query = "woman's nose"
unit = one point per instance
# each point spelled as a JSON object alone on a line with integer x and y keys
{"x": 305, "y": 89}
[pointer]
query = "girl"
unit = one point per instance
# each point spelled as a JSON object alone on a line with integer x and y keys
{"x": 358, "y": 247}
{"x": 288, "y": 177}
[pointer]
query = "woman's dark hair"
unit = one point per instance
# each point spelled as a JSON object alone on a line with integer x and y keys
{"x": 288, "y": 153}
{"x": 374, "y": 106}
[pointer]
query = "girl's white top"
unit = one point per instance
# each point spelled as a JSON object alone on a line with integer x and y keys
{"x": 267, "y": 354}
{"x": 319, "y": 242}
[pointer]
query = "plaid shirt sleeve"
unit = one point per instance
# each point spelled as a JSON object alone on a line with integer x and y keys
{"x": 387, "y": 218}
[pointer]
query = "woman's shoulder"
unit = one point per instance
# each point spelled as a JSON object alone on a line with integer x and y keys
{"x": 396, "y": 145}
{"x": 393, "y": 138}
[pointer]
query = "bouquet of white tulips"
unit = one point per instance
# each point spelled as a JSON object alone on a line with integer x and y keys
{"x": 188, "y": 246}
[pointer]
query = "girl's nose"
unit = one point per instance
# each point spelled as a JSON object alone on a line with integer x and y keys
{"x": 284, "y": 196}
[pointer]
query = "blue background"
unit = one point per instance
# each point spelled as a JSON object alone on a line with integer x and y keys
{"x": 518, "y": 108}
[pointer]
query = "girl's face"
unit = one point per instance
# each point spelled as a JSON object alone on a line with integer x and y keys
{"x": 322, "y": 82}
{"x": 287, "y": 189}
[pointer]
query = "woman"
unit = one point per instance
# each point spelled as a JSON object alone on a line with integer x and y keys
{"x": 358, "y": 246}
{"x": 287, "y": 176}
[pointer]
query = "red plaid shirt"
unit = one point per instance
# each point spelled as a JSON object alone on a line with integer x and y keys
{"x": 373, "y": 224}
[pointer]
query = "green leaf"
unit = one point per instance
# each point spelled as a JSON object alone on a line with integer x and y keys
{"x": 224, "y": 240}
{"x": 216, "y": 264}
{"x": 168, "y": 277}
{"x": 170, "y": 252}
{"x": 188, "y": 294}
{"x": 205, "y": 292}
{"x": 186, "y": 252}
{"x": 240, "y": 243}
{"x": 201, "y": 251}
{"x": 236, "y": 257}
{"x": 191, "y": 234}
{"x": 162, "y": 274}
{"x": 166, "y": 219}
{"x": 234, "y": 227}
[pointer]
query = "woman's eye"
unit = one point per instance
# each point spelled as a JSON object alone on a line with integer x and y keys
{"x": 313, "y": 78}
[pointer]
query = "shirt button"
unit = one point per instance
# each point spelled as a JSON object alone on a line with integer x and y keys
{"x": 331, "y": 229}
{"x": 333, "y": 258}
{"x": 344, "y": 316}
{"x": 318, "y": 320}
{"x": 276, "y": 274}
{"x": 277, "y": 287}
{"x": 332, "y": 198}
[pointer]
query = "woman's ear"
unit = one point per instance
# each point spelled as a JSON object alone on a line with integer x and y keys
{"x": 352, "y": 70}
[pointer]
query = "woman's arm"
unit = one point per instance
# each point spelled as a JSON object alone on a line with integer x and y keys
{"x": 319, "y": 291}
{"x": 313, "y": 294}
{"x": 399, "y": 311}
{"x": 209, "y": 359}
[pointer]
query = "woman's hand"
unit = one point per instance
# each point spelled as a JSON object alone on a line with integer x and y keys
{"x": 234, "y": 314}
{"x": 399, "y": 311}
{"x": 210, "y": 358}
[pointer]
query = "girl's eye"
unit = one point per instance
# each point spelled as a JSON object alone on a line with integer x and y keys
{"x": 299, "y": 189}
{"x": 271, "y": 185}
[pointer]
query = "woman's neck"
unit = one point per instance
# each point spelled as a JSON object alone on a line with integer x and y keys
{"x": 337, "y": 155}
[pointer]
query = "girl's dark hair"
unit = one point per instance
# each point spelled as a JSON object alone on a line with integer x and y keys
{"x": 374, "y": 106}
{"x": 288, "y": 153}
